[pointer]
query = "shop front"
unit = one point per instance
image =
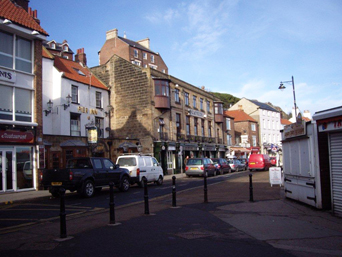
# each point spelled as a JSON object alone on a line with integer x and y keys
{"x": 18, "y": 168}
{"x": 329, "y": 125}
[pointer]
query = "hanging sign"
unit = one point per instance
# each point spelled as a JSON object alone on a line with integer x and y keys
{"x": 92, "y": 135}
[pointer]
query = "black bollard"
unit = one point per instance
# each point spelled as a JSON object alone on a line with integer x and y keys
{"x": 205, "y": 187}
{"x": 147, "y": 211}
{"x": 62, "y": 214}
{"x": 174, "y": 192}
{"x": 250, "y": 188}
{"x": 111, "y": 203}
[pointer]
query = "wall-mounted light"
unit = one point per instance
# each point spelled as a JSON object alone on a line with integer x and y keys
{"x": 110, "y": 108}
{"x": 35, "y": 32}
{"x": 7, "y": 21}
{"x": 68, "y": 98}
{"x": 49, "y": 107}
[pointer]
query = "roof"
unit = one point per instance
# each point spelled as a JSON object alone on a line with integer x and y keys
{"x": 59, "y": 46}
{"x": 47, "y": 54}
{"x": 306, "y": 119}
{"x": 136, "y": 45}
{"x": 239, "y": 115}
{"x": 75, "y": 71}
{"x": 18, "y": 15}
{"x": 263, "y": 106}
{"x": 285, "y": 122}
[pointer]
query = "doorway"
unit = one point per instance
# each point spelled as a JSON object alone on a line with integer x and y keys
{"x": 6, "y": 169}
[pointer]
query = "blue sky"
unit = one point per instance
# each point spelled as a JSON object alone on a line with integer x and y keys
{"x": 241, "y": 47}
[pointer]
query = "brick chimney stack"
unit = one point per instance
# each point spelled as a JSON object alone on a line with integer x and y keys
{"x": 81, "y": 56}
{"x": 23, "y": 3}
{"x": 33, "y": 13}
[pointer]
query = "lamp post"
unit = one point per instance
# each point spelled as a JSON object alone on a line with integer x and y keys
{"x": 282, "y": 87}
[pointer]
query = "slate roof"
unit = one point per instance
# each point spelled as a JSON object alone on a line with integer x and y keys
{"x": 263, "y": 106}
{"x": 18, "y": 16}
{"x": 75, "y": 71}
{"x": 239, "y": 115}
{"x": 59, "y": 46}
{"x": 136, "y": 45}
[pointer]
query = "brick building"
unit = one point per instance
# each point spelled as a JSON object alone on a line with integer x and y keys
{"x": 136, "y": 52}
{"x": 161, "y": 115}
{"x": 21, "y": 151}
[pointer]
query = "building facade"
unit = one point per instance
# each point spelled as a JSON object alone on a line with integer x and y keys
{"x": 246, "y": 134}
{"x": 21, "y": 143}
{"x": 136, "y": 52}
{"x": 161, "y": 115}
{"x": 75, "y": 107}
{"x": 268, "y": 119}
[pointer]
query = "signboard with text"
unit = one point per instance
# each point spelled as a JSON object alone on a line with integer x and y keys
{"x": 295, "y": 130}
{"x": 16, "y": 137}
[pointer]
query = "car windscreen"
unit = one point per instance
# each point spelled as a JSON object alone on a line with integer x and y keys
{"x": 194, "y": 162}
{"x": 127, "y": 161}
{"x": 215, "y": 161}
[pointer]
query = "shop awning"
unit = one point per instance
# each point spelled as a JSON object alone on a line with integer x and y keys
{"x": 240, "y": 149}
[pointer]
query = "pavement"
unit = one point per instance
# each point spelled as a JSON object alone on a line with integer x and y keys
{"x": 228, "y": 225}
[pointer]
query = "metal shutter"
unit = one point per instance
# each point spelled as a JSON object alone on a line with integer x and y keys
{"x": 336, "y": 171}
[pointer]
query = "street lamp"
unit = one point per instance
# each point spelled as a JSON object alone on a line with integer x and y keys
{"x": 282, "y": 87}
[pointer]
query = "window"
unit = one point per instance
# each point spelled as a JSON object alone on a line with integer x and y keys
{"x": 201, "y": 104}
{"x": 65, "y": 48}
{"x": 253, "y": 127}
{"x": 229, "y": 140}
{"x": 228, "y": 123}
{"x": 75, "y": 124}
{"x": 99, "y": 123}
{"x": 209, "y": 128}
{"x": 136, "y": 62}
{"x": 194, "y": 101}
{"x": 254, "y": 141}
{"x": 22, "y": 102}
{"x": 195, "y": 126}
{"x": 208, "y": 106}
{"x": 53, "y": 45}
{"x": 108, "y": 164}
{"x": 202, "y": 127}
{"x": 188, "y": 125}
{"x": 161, "y": 87}
{"x": 186, "y": 95}
{"x": 136, "y": 53}
{"x": 264, "y": 122}
{"x": 177, "y": 100}
{"x": 145, "y": 56}
{"x": 22, "y": 52}
{"x": 74, "y": 94}
{"x": 98, "y": 100}
{"x": 218, "y": 108}
{"x": 178, "y": 123}
{"x": 6, "y": 50}
{"x": 152, "y": 58}
{"x": 264, "y": 138}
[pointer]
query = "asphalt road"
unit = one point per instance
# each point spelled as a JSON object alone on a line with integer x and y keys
{"x": 45, "y": 209}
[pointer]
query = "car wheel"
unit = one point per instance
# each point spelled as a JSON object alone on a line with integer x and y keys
{"x": 124, "y": 184}
{"x": 159, "y": 181}
{"x": 88, "y": 188}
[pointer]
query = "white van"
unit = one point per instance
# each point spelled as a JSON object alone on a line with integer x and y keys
{"x": 142, "y": 166}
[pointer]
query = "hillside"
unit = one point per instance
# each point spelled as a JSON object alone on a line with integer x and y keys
{"x": 229, "y": 100}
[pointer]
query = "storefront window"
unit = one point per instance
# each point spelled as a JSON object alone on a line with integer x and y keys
{"x": 24, "y": 167}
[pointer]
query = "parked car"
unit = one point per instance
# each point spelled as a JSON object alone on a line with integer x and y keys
{"x": 221, "y": 165}
{"x": 85, "y": 175}
{"x": 142, "y": 166}
{"x": 259, "y": 162}
{"x": 245, "y": 163}
{"x": 200, "y": 167}
{"x": 273, "y": 160}
{"x": 236, "y": 165}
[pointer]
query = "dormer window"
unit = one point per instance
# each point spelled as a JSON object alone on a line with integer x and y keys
{"x": 53, "y": 45}
{"x": 79, "y": 72}
{"x": 65, "y": 48}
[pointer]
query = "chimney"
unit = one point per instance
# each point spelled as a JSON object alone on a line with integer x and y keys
{"x": 33, "y": 14}
{"x": 111, "y": 34}
{"x": 23, "y": 3}
{"x": 81, "y": 57}
{"x": 145, "y": 42}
